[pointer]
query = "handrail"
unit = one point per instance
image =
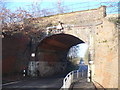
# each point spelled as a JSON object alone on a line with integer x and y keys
{"x": 75, "y": 76}
{"x": 71, "y": 77}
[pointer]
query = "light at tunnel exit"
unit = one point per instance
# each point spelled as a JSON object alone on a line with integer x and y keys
{"x": 82, "y": 49}
{"x": 78, "y": 50}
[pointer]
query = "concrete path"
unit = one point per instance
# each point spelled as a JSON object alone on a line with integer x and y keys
{"x": 83, "y": 85}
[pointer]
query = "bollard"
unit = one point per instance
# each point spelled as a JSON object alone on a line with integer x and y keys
{"x": 88, "y": 76}
{"x": 24, "y": 72}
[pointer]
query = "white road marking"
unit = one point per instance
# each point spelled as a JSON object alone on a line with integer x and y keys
{"x": 10, "y": 83}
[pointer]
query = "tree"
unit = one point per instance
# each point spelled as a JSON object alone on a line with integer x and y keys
{"x": 12, "y": 20}
{"x": 73, "y": 52}
{"x": 36, "y": 9}
{"x": 60, "y": 6}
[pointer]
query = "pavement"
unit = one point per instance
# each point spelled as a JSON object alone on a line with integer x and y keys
{"x": 82, "y": 84}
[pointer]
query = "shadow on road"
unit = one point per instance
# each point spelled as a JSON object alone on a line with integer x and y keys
{"x": 36, "y": 83}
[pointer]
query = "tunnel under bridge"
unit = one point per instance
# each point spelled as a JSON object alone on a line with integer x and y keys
{"x": 52, "y": 53}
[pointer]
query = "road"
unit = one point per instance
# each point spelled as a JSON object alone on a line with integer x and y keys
{"x": 53, "y": 83}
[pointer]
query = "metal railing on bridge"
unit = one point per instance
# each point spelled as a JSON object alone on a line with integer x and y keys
{"x": 74, "y": 76}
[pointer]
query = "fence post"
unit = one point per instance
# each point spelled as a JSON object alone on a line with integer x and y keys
{"x": 88, "y": 76}
{"x": 77, "y": 74}
{"x": 69, "y": 79}
{"x": 71, "y": 76}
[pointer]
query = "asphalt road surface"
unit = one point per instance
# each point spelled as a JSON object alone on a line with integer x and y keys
{"x": 52, "y": 83}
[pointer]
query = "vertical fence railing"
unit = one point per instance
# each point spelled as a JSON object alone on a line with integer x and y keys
{"x": 72, "y": 77}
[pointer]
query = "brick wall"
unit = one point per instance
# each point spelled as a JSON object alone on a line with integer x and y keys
{"x": 106, "y": 55}
{"x": 14, "y": 56}
{"x": 51, "y": 63}
{"x": 86, "y": 17}
{"x": 83, "y": 22}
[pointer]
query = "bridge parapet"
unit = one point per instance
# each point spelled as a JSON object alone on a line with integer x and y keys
{"x": 79, "y": 23}
{"x": 81, "y": 31}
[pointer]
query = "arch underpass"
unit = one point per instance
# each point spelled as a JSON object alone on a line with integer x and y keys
{"x": 100, "y": 34}
{"x": 52, "y": 53}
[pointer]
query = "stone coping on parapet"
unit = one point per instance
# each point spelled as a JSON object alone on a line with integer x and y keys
{"x": 69, "y": 13}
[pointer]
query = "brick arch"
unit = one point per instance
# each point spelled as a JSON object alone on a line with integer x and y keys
{"x": 59, "y": 42}
{"x": 52, "y": 53}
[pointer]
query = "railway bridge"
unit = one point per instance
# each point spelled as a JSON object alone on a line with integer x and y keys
{"x": 90, "y": 27}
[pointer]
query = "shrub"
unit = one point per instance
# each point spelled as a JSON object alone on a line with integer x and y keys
{"x": 115, "y": 20}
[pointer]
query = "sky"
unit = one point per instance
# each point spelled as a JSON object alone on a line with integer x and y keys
{"x": 55, "y": 0}
{"x": 74, "y": 5}
{"x": 78, "y": 50}
{"x": 82, "y": 49}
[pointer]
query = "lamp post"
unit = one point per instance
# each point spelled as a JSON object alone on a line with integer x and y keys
{"x": 33, "y": 55}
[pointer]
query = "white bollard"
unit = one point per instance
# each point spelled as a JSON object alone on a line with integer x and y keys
{"x": 88, "y": 76}
{"x": 24, "y": 73}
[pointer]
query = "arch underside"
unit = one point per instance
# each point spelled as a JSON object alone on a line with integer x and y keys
{"x": 59, "y": 42}
{"x": 52, "y": 53}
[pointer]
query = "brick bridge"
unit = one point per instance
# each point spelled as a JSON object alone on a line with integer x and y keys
{"x": 89, "y": 26}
